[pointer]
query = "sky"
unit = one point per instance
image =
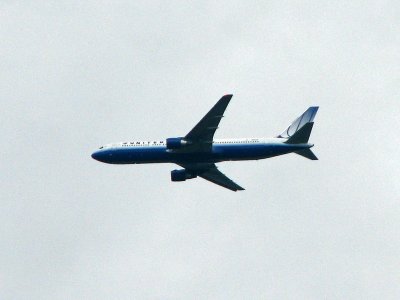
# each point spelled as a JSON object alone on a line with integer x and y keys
{"x": 75, "y": 75}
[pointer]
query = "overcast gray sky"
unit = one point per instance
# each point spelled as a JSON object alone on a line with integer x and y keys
{"x": 75, "y": 75}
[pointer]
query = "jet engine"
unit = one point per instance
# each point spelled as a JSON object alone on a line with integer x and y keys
{"x": 181, "y": 175}
{"x": 176, "y": 143}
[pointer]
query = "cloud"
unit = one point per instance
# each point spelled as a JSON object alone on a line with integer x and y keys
{"x": 79, "y": 75}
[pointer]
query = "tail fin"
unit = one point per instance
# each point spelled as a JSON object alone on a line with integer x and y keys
{"x": 299, "y": 131}
{"x": 302, "y": 135}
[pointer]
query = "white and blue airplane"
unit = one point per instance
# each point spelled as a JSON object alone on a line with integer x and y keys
{"x": 198, "y": 152}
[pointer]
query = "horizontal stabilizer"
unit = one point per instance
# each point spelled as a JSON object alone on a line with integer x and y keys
{"x": 307, "y": 153}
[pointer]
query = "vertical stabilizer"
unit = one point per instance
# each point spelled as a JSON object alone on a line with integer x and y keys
{"x": 306, "y": 118}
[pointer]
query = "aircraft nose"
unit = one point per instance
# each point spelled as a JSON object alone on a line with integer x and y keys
{"x": 99, "y": 156}
{"x": 103, "y": 156}
{"x": 95, "y": 155}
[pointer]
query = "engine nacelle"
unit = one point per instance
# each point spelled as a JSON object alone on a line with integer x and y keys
{"x": 176, "y": 143}
{"x": 181, "y": 175}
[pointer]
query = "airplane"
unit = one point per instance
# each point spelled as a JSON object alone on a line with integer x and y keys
{"x": 197, "y": 152}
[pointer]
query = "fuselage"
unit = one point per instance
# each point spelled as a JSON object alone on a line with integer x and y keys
{"x": 155, "y": 151}
{"x": 197, "y": 152}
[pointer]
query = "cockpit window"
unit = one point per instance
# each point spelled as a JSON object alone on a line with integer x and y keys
{"x": 101, "y": 147}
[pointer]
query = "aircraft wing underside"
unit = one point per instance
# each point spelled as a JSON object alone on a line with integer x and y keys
{"x": 201, "y": 136}
{"x": 210, "y": 172}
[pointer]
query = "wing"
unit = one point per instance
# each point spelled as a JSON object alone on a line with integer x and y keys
{"x": 211, "y": 173}
{"x": 201, "y": 136}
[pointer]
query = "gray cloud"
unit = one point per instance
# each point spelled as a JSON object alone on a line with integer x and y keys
{"x": 78, "y": 75}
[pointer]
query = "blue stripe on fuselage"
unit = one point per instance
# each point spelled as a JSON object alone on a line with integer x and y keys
{"x": 220, "y": 152}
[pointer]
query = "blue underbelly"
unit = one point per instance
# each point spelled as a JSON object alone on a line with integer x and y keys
{"x": 138, "y": 155}
{"x": 250, "y": 152}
